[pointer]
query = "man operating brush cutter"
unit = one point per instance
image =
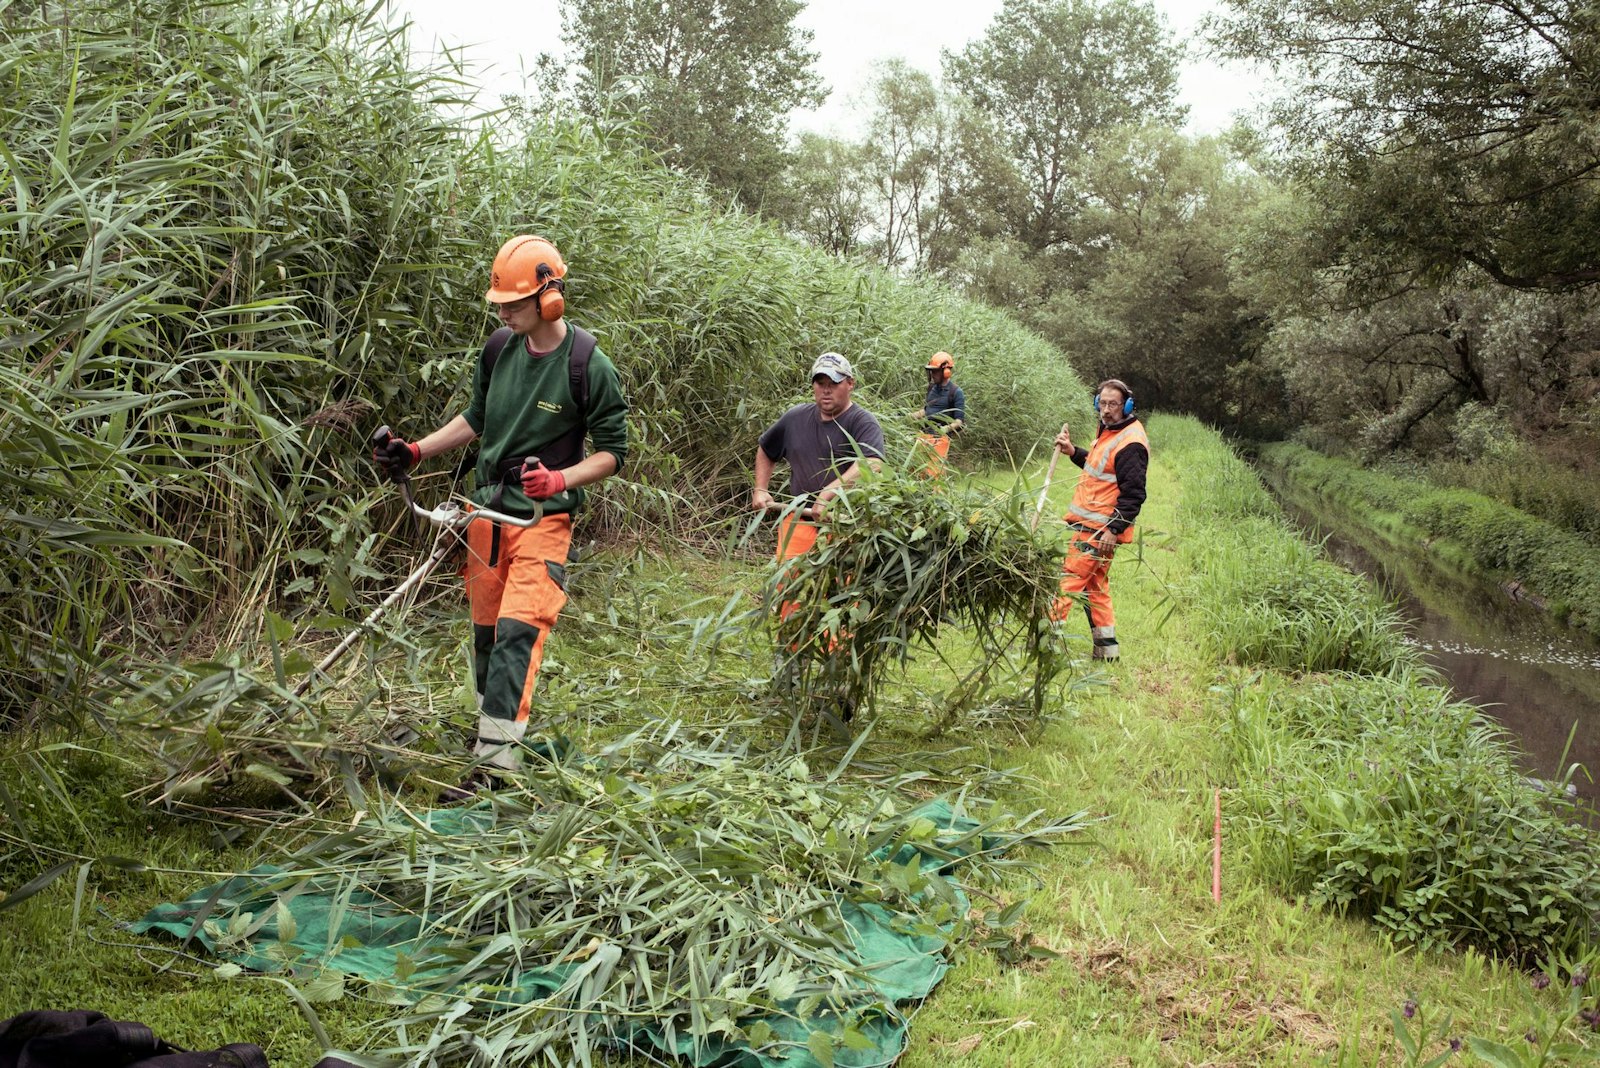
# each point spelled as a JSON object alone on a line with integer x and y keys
{"x": 541, "y": 385}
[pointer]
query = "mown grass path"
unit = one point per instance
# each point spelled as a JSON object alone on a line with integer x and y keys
{"x": 1151, "y": 970}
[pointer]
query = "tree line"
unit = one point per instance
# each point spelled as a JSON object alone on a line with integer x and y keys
{"x": 1397, "y": 254}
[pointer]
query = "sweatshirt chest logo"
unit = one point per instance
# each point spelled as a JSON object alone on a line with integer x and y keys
{"x": 546, "y": 406}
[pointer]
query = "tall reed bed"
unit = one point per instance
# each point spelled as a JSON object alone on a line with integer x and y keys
{"x": 1485, "y": 535}
{"x": 1360, "y": 783}
{"x": 223, "y": 225}
{"x": 242, "y": 233}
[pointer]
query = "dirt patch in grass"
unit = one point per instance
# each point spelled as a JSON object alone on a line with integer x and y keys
{"x": 1176, "y": 990}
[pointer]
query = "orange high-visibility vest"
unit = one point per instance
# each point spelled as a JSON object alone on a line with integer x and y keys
{"x": 1094, "y": 502}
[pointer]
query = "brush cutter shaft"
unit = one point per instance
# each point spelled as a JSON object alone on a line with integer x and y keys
{"x": 440, "y": 551}
{"x": 452, "y": 516}
{"x": 453, "y": 519}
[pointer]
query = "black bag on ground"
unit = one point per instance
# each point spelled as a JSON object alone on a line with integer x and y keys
{"x": 82, "y": 1038}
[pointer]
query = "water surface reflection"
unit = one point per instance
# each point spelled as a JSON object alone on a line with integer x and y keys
{"x": 1539, "y": 679}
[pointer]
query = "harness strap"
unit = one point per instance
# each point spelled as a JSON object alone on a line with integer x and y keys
{"x": 509, "y": 471}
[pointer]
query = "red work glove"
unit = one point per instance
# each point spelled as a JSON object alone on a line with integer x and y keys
{"x": 541, "y": 483}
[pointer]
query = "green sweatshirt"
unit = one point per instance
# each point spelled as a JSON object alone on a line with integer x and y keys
{"x": 526, "y": 406}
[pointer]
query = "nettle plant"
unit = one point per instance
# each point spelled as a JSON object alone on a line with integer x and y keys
{"x": 1383, "y": 797}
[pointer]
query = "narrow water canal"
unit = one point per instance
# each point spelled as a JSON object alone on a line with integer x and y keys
{"x": 1539, "y": 679}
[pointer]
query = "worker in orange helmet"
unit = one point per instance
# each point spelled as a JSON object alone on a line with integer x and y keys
{"x": 541, "y": 385}
{"x": 1107, "y": 500}
{"x": 943, "y": 412}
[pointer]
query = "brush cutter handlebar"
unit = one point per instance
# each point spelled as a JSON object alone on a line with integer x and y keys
{"x": 393, "y": 453}
{"x": 450, "y": 514}
{"x": 778, "y": 508}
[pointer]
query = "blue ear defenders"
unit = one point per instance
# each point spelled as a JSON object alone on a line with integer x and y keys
{"x": 1127, "y": 403}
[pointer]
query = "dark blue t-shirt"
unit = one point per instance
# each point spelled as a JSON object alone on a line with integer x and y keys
{"x": 820, "y": 450}
{"x": 945, "y": 403}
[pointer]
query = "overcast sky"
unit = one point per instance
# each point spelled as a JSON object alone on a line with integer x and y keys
{"x": 849, "y": 35}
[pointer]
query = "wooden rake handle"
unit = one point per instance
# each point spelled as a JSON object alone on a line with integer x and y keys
{"x": 1044, "y": 491}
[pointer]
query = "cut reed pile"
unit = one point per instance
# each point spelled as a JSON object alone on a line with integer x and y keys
{"x": 674, "y": 896}
{"x": 902, "y": 564}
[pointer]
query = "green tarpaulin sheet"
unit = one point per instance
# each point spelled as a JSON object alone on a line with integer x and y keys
{"x": 321, "y": 925}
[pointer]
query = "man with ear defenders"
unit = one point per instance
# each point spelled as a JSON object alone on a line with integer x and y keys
{"x": 1110, "y": 493}
{"x": 540, "y": 385}
{"x": 943, "y": 412}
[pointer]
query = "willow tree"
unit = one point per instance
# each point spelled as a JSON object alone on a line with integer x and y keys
{"x": 1055, "y": 74}
{"x": 1443, "y": 135}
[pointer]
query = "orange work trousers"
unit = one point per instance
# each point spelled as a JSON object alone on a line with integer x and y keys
{"x": 1086, "y": 577}
{"x": 796, "y": 537}
{"x": 514, "y": 606}
{"x": 936, "y": 447}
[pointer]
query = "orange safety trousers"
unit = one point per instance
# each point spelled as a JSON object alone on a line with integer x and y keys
{"x": 937, "y": 448}
{"x": 1085, "y": 577}
{"x": 796, "y": 537}
{"x": 514, "y": 605}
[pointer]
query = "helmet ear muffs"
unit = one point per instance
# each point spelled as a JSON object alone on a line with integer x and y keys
{"x": 528, "y": 266}
{"x": 551, "y": 299}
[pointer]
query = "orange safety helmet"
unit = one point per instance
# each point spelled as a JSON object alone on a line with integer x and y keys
{"x": 942, "y": 361}
{"x": 529, "y": 266}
